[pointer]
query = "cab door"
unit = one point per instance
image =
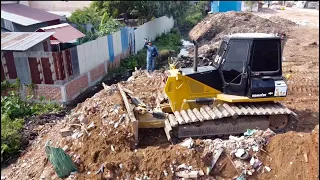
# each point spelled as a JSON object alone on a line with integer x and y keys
{"x": 234, "y": 68}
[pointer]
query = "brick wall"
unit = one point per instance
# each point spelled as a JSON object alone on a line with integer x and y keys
{"x": 97, "y": 73}
{"x": 52, "y": 92}
{"x": 74, "y": 87}
{"x": 68, "y": 91}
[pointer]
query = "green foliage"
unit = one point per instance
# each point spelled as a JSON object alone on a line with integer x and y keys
{"x": 13, "y": 111}
{"x": 170, "y": 41}
{"x": 141, "y": 9}
{"x": 193, "y": 15}
{"x": 164, "y": 43}
{"x": 7, "y": 85}
{"x": 10, "y": 136}
{"x": 102, "y": 24}
{"x": 84, "y": 16}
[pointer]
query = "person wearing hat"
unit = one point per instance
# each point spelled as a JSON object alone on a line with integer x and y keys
{"x": 152, "y": 53}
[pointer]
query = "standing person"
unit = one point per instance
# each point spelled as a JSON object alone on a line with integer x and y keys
{"x": 152, "y": 53}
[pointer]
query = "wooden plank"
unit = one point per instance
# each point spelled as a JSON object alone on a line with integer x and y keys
{"x": 255, "y": 109}
{"x": 210, "y": 112}
{"x": 217, "y": 112}
{"x": 216, "y": 157}
{"x": 204, "y": 114}
{"x": 198, "y": 114}
{"x": 133, "y": 119}
{"x": 229, "y": 109}
{"x": 167, "y": 129}
{"x": 192, "y": 116}
{"x": 179, "y": 117}
{"x": 172, "y": 120}
{"x": 235, "y": 108}
{"x": 185, "y": 116}
{"x": 127, "y": 91}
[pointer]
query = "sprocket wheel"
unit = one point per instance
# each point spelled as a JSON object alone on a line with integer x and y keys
{"x": 282, "y": 123}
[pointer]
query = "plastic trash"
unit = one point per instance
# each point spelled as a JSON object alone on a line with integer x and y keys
{"x": 249, "y": 132}
{"x": 242, "y": 176}
{"x": 187, "y": 143}
{"x": 62, "y": 162}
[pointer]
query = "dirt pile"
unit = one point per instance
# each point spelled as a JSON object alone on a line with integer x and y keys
{"x": 214, "y": 27}
{"x": 293, "y": 156}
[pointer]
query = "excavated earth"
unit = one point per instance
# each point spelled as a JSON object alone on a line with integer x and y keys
{"x": 110, "y": 140}
{"x": 209, "y": 32}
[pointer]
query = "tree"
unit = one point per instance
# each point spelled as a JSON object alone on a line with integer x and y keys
{"x": 141, "y": 9}
{"x": 113, "y": 8}
{"x": 102, "y": 24}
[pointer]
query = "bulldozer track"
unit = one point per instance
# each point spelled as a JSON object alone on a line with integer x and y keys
{"x": 226, "y": 110}
{"x": 227, "y": 119}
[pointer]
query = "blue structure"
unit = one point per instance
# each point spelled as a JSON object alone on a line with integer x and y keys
{"x": 224, "y": 6}
{"x": 124, "y": 39}
{"x": 110, "y": 46}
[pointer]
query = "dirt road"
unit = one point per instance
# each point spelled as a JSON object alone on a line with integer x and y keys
{"x": 301, "y": 60}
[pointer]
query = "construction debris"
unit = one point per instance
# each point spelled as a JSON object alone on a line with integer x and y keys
{"x": 110, "y": 143}
{"x": 187, "y": 143}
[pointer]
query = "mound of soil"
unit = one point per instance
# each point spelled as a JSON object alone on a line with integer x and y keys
{"x": 293, "y": 156}
{"x": 216, "y": 26}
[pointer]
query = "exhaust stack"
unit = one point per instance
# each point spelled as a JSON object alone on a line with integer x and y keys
{"x": 195, "y": 60}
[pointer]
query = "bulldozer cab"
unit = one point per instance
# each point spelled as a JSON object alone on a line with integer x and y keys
{"x": 249, "y": 64}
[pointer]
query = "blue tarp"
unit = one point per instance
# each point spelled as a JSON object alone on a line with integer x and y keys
{"x": 224, "y": 6}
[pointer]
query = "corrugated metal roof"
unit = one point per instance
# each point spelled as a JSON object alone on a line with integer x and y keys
{"x": 63, "y": 32}
{"x": 19, "y": 13}
{"x": 21, "y": 41}
{"x": 24, "y": 21}
{"x": 67, "y": 14}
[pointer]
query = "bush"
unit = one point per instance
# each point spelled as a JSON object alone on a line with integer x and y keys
{"x": 192, "y": 16}
{"x": 10, "y": 136}
{"x": 13, "y": 111}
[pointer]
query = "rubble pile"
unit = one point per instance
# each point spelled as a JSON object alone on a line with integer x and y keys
{"x": 98, "y": 136}
{"x": 203, "y": 59}
{"x": 216, "y": 26}
{"x": 146, "y": 86}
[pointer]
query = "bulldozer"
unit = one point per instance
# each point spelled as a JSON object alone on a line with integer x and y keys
{"x": 241, "y": 90}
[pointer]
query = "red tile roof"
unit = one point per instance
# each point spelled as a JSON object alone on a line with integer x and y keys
{"x": 63, "y": 32}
